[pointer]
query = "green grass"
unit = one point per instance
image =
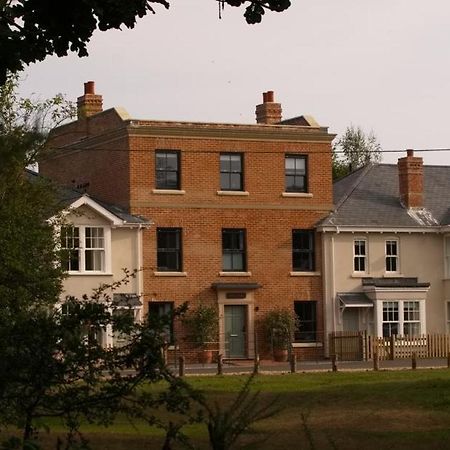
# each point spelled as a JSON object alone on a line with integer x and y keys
{"x": 345, "y": 410}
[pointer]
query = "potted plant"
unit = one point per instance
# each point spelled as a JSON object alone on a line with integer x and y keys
{"x": 280, "y": 325}
{"x": 202, "y": 323}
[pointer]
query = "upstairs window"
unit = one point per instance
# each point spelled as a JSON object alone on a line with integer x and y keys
{"x": 233, "y": 250}
{"x": 167, "y": 169}
{"x": 295, "y": 173}
{"x": 359, "y": 255}
{"x": 303, "y": 250}
{"x": 83, "y": 249}
{"x": 306, "y": 312}
{"x": 231, "y": 172}
{"x": 169, "y": 257}
{"x": 392, "y": 255}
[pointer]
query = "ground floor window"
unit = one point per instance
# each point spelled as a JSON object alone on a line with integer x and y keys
{"x": 401, "y": 318}
{"x": 164, "y": 312}
{"x": 306, "y": 312}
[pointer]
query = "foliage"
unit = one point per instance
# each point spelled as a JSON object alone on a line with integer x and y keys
{"x": 227, "y": 424}
{"x": 202, "y": 323}
{"x": 280, "y": 325}
{"x": 31, "y": 30}
{"x": 24, "y": 125}
{"x": 354, "y": 149}
{"x": 52, "y": 363}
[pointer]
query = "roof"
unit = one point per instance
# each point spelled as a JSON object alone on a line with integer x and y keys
{"x": 395, "y": 282}
{"x": 68, "y": 196}
{"x": 369, "y": 197}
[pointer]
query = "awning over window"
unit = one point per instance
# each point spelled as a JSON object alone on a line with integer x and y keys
{"x": 354, "y": 300}
{"x": 126, "y": 300}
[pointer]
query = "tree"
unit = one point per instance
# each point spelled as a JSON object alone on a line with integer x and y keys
{"x": 31, "y": 30}
{"x": 354, "y": 149}
{"x": 51, "y": 362}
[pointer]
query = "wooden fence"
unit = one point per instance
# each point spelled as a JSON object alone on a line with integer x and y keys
{"x": 351, "y": 346}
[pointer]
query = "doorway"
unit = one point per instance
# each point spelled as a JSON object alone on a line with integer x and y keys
{"x": 235, "y": 330}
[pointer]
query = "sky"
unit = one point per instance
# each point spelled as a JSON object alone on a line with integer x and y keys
{"x": 383, "y": 65}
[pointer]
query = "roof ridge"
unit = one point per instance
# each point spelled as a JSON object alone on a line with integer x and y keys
{"x": 364, "y": 170}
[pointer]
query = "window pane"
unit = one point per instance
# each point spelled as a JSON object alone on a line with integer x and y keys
{"x": 303, "y": 250}
{"x": 167, "y": 170}
{"x": 233, "y": 250}
{"x": 94, "y": 260}
{"x": 307, "y": 319}
{"x": 163, "y": 311}
{"x": 295, "y": 173}
{"x": 231, "y": 171}
{"x": 169, "y": 249}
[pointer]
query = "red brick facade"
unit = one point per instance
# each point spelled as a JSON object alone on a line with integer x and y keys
{"x": 114, "y": 158}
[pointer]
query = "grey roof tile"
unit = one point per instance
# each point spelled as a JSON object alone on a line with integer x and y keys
{"x": 369, "y": 197}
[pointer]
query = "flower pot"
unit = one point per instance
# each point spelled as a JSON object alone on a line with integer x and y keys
{"x": 205, "y": 356}
{"x": 280, "y": 354}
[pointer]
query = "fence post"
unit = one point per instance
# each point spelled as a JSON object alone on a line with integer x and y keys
{"x": 414, "y": 361}
{"x": 293, "y": 362}
{"x": 392, "y": 342}
{"x": 256, "y": 364}
{"x": 376, "y": 361}
{"x": 448, "y": 360}
{"x": 333, "y": 363}
{"x": 219, "y": 365}
{"x": 181, "y": 366}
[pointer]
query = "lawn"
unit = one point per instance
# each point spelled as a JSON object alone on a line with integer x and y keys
{"x": 352, "y": 410}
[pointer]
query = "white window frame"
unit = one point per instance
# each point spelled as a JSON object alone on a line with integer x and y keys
{"x": 447, "y": 256}
{"x": 401, "y": 316}
{"x": 360, "y": 256}
{"x": 392, "y": 256}
{"x": 82, "y": 249}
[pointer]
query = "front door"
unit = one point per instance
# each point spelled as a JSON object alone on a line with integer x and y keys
{"x": 235, "y": 331}
{"x": 351, "y": 319}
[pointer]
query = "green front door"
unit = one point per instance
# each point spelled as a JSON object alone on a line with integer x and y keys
{"x": 235, "y": 331}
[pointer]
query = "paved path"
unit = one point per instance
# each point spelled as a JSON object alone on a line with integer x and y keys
{"x": 267, "y": 366}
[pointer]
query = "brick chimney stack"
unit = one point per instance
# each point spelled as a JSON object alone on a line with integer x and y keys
{"x": 90, "y": 103}
{"x": 410, "y": 177}
{"x": 268, "y": 112}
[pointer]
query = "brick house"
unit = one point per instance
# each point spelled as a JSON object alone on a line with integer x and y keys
{"x": 233, "y": 206}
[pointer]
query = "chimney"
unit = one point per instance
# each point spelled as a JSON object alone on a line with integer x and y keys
{"x": 410, "y": 177}
{"x": 90, "y": 103}
{"x": 268, "y": 112}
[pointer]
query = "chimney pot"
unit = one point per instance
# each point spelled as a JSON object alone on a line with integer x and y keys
{"x": 410, "y": 152}
{"x": 264, "y": 97}
{"x": 89, "y": 87}
{"x": 270, "y": 96}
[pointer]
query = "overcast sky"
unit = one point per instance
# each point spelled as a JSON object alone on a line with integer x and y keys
{"x": 381, "y": 64}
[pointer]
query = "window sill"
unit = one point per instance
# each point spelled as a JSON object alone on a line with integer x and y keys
{"x": 235, "y": 274}
{"x": 297, "y": 194}
{"x": 392, "y": 275}
{"x": 233, "y": 193}
{"x": 359, "y": 274}
{"x": 170, "y": 274}
{"x": 89, "y": 273}
{"x": 169, "y": 191}
{"x": 307, "y": 344}
{"x": 304, "y": 274}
